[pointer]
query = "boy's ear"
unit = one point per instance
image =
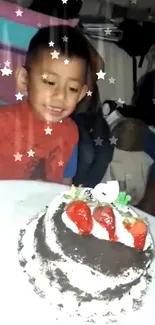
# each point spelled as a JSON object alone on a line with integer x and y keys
{"x": 21, "y": 77}
{"x": 83, "y": 92}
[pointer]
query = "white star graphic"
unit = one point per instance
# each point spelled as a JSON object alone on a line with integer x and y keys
{"x": 64, "y": 1}
{"x": 65, "y": 38}
{"x": 61, "y": 121}
{"x": 60, "y": 163}
{"x": 66, "y": 61}
{"x": 6, "y": 71}
{"x": 18, "y": 156}
{"x": 19, "y": 96}
{"x": 101, "y": 74}
{"x": 55, "y": 54}
{"x": 98, "y": 141}
{"x": 134, "y": 2}
{"x": 39, "y": 25}
{"x": 120, "y": 102}
{"x": 19, "y": 13}
{"x": 48, "y": 130}
{"x": 112, "y": 80}
{"x": 113, "y": 140}
{"x": 51, "y": 44}
{"x": 44, "y": 76}
{"x": 108, "y": 31}
{"x": 89, "y": 93}
{"x": 31, "y": 153}
{"x": 7, "y": 63}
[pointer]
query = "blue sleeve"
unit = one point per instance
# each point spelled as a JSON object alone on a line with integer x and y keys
{"x": 71, "y": 167}
{"x": 150, "y": 144}
{"x": 152, "y": 173}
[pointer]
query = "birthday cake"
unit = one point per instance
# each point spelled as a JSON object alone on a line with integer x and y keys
{"x": 89, "y": 255}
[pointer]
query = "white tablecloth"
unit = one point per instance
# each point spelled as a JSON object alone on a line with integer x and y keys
{"x": 19, "y": 305}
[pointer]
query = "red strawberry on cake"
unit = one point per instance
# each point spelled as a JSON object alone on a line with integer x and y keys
{"x": 85, "y": 214}
{"x": 138, "y": 229}
{"x": 104, "y": 215}
{"x": 80, "y": 213}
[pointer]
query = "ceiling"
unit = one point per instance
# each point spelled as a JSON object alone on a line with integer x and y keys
{"x": 88, "y": 3}
{"x": 139, "y": 4}
{"x": 142, "y": 10}
{"x": 134, "y": 9}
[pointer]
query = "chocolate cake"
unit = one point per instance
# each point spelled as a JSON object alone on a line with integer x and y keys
{"x": 85, "y": 278}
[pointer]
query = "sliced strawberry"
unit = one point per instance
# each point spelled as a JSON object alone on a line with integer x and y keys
{"x": 80, "y": 213}
{"x": 138, "y": 229}
{"x": 105, "y": 217}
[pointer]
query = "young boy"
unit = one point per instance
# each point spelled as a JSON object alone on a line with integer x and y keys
{"x": 38, "y": 138}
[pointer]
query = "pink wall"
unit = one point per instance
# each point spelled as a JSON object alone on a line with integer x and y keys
{"x": 30, "y": 17}
{"x": 7, "y": 83}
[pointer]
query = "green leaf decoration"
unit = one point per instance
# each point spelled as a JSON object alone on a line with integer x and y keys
{"x": 78, "y": 192}
{"x": 73, "y": 191}
{"x": 122, "y": 200}
{"x": 74, "y": 194}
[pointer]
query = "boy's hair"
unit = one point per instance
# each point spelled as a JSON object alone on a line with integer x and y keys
{"x": 130, "y": 134}
{"x": 75, "y": 46}
{"x": 56, "y": 8}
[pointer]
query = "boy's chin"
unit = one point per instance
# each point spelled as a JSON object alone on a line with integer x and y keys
{"x": 48, "y": 118}
{"x": 52, "y": 119}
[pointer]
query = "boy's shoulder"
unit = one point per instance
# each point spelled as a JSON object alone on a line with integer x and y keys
{"x": 67, "y": 128}
{"x": 9, "y": 110}
{"x": 68, "y": 122}
{"x": 7, "y": 114}
{"x": 70, "y": 129}
{"x": 11, "y": 107}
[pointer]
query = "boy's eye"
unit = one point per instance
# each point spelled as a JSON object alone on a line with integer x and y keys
{"x": 51, "y": 83}
{"x": 74, "y": 89}
{"x": 48, "y": 82}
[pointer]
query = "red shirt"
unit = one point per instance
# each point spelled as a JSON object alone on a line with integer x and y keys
{"x": 27, "y": 152}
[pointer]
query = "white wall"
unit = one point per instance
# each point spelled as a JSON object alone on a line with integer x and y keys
{"x": 118, "y": 64}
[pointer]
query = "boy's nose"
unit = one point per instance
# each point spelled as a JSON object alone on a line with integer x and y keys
{"x": 60, "y": 93}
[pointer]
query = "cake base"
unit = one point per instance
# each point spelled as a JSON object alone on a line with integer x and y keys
{"x": 123, "y": 272}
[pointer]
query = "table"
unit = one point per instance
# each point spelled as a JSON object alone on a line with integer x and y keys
{"x": 19, "y": 200}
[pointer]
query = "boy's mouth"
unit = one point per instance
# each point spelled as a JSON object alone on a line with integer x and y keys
{"x": 54, "y": 110}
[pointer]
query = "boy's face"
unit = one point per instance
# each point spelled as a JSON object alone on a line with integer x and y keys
{"x": 55, "y": 88}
